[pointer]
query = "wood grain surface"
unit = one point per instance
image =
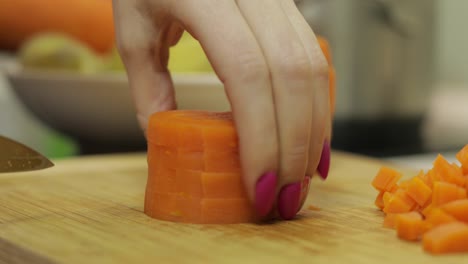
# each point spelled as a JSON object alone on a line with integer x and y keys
{"x": 89, "y": 210}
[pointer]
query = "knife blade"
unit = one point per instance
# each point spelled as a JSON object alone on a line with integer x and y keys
{"x": 17, "y": 157}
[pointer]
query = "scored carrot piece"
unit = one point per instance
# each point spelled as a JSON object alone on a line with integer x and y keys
{"x": 188, "y": 183}
{"x": 386, "y": 179}
{"x": 222, "y": 161}
{"x": 222, "y": 185}
{"x": 194, "y": 169}
{"x": 447, "y": 238}
{"x": 190, "y": 160}
{"x": 457, "y": 209}
{"x": 409, "y": 226}
{"x": 418, "y": 191}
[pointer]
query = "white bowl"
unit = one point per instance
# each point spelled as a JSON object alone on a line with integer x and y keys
{"x": 99, "y": 108}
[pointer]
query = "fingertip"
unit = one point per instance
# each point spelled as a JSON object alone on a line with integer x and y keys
{"x": 265, "y": 191}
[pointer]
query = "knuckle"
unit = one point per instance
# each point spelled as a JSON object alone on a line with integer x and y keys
{"x": 251, "y": 66}
{"x": 320, "y": 70}
{"x": 294, "y": 66}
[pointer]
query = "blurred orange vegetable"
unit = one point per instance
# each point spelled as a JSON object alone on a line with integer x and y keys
{"x": 89, "y": 21}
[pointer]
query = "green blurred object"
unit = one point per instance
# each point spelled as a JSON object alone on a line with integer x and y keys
{"x": 60, "y": 146}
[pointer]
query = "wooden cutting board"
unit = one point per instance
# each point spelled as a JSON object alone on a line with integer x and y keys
{"x": 89, "y": 210}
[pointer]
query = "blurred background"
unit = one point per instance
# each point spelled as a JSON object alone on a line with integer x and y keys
{"x": 402, "y": 82}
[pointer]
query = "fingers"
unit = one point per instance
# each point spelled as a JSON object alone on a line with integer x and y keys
{"x": 240, "y": 64}
{"x": 319, "y": 150}
{"x": 144, "y": 49}
{"x": 294, "y": 84}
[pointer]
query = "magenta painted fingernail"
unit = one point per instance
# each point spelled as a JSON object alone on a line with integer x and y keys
{"x": 324, "y": 164}
{"x": 265, "y": 193}
{"x": 288, "y": 201}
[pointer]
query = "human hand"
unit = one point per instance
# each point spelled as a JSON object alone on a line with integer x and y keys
{"x": 274, "y": 73}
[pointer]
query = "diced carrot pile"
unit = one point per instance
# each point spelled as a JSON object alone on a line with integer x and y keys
{"x": 431, "y": 206}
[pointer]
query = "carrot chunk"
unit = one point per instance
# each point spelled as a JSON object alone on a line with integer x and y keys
{"x": 409, "y": 226}
{"x": 325, "y": 47}
{"x": 458, "y": 209}
{"x": 438, "y": 217}
{"x": 379, "y": 201}
{"x": 386, "y": 179}
{"x": 462, "y": 157}
{"x": 397, "y": 203}
{"x": 447, "y": 238}
{"x": 447, "y": 172}
{"x": 418, "y": 191}
{"x": 446, "y": 192}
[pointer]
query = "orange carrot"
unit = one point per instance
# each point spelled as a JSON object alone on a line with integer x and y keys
{"x": 418, "y": 191}
{"x": 440, "y": 195}
{"x": 325, "y": 46}
{"x": 462, "y": 157}
{"x": 379, "y": 200}
{"x": 194, "y": 173}
{"x": 409, "y": 226}
{"x": 447, "y": 238}
{"x": 446, "y": 172}
{"x": 194, "y": 170}
{"x": 446, "y": 192}
{"x": 458, "y": 209}
{"x": 398, "y": 202}
{"x": 438, "y": 217}
{"x": 427, "y": 210}
{"x": 88, "y": 21}
{"x": 386, "y": 179}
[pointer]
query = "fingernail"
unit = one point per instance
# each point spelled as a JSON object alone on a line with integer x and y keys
{"x": 289, "y": 199}
{"x": 324, "y": 164}
{"x": 265, "y": 193}
{"x": 304, "y": 191}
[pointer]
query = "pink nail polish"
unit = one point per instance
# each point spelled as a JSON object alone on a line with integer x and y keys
{"x": 265, "y": 193}
{"x": 289, "y": 199}
{"x": 324, "y": 164}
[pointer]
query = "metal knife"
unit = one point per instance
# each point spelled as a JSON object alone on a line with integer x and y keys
{"x": 16, "y": 157}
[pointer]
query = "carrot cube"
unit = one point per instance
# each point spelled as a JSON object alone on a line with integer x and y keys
{"x": 386, "y": 179}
